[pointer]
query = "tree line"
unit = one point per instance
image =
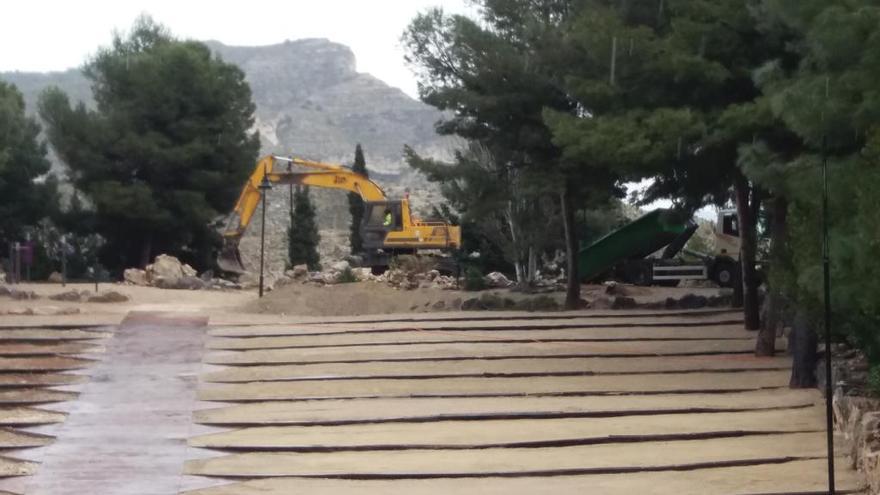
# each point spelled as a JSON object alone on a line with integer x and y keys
{"x": 716, "y": 102}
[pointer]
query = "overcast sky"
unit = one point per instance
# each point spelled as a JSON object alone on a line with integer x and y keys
{"x": 43, "y": 35}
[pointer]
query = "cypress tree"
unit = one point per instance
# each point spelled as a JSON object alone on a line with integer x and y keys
{"x": 356, "y": 203}
{"x": 302, "y": 236}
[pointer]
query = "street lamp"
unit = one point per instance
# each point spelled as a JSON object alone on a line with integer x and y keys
{"x": 264, "y": 187}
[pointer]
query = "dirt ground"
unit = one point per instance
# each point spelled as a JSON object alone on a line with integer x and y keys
{"x": 353, "y": 299}
{"x": 373, "y": 298}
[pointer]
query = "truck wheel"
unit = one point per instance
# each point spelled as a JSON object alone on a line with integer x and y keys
{"x": 724, "y": 274}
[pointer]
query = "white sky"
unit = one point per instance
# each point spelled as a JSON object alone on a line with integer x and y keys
{"x": 49, "y": 35}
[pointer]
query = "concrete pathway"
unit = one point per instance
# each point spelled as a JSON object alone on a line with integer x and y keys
{"x": 126, "y": 435}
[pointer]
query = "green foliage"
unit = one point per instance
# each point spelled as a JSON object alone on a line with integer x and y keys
{"x": 497, "y": 76}
{"x": 346, "y": 276}
{"x": 828, "y": 96}
{"x": 874, "y": 380}
{"x": 473, "y": 279}
{"x": 26, "y": 194}
{"x": 356, "y": 203}
{"x": 302, "y": 236}
{"x": 166, "y": 150}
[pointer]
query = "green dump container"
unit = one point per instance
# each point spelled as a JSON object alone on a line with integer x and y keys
{"x": 635, "y": 240}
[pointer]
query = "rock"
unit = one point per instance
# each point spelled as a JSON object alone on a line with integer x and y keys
{"x": 5, "y": 291}
{"x": 671, "y": 303}
{"x": 188, "y": 271}
{"x": 623, "y": 302}
{"x": 692, "y": 301}
{"x": 56, "y": 278}
{"x": 498, "y": 280}
{"x": 69, "y": 296}
{"x": 108, "y": 297}
{"x": 439, "y": 305}
{"x": 21, "y": 295}
{"x": 136, "y": 276}
{"x": 362, "y": 274}
{"x": 432, "y": 274}
{"x": 20, "y": 311}
{"x": 188, "y": 282}
{"x": 340, "y": 266}
{"x": 300, "y": 272}
{"x": 165, "y": 266}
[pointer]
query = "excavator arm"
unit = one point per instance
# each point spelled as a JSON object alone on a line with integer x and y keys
{"x": 321, "y": 175}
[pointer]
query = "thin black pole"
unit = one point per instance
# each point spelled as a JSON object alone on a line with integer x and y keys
{"x": 826, "y": 268}
{"x": 262, "y": 239}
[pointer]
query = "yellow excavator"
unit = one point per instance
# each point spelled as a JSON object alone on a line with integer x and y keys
{"x": 388, "y": 227}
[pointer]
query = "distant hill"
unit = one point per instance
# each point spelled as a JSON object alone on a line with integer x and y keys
{"x": 310, "y": 102}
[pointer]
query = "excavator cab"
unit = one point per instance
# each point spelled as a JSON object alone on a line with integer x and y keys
{"x": 373, "y": 227}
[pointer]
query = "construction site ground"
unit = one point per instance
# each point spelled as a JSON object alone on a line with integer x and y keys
{"x": 193, "y": 392}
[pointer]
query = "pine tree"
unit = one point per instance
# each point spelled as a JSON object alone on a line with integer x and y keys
{"x": 23, "y": 199}
{"x": 302, "y": 236}
{"x": 356, "y": 203}
{"x": 164, "y": 151}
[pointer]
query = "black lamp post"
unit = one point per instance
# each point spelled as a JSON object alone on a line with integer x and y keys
{"x": 826, "y": 273}
{"x": 264, "y": 186}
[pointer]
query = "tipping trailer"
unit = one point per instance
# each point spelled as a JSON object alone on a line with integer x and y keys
{"x": 645, "y": 251}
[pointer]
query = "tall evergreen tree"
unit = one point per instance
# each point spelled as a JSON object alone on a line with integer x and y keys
{"x": 166, "y": 149}
{"x": 496, "y": 76}
{"x": 24, "y": 197}
{"x": 356, "y": 203}
{"x": 302, "y": 236}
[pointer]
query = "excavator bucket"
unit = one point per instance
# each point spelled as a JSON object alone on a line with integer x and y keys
{"x": 229, "y": 259}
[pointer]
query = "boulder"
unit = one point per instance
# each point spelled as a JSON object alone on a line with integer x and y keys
{"x": 362, "y": 274}
{"x": 498, "y": 280}
{"x": 188, "y": 271}
{"x": 21, "y": 295}
{"x": 56, "y": 278}
{"x": 69, "y": 296}
{"x": 183, "y": 283}
{"x": 164, "y": 266}
{"x": 136, "y": 276}
{"x": 340, "y": 266}
{"x": 108, "y": 297}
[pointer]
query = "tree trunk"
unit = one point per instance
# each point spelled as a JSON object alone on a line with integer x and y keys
{"x": 573, "y": 291}
{"x": 748, "y": 203}
{"x": 146, "y": 251}
{"x": 766, "y": 342}
{"x": 803, "y": 342}
{"x": 533, "y": 266}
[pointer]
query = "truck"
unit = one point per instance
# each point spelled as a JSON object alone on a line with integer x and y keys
{"x": 649, "y": 250}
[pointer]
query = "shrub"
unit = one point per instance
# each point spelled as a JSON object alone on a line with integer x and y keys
{"x": 346, "y": 276}
{"x": 473, "y": 279}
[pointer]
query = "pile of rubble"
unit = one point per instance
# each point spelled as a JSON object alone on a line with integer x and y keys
{"x": 168, "y": 272}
